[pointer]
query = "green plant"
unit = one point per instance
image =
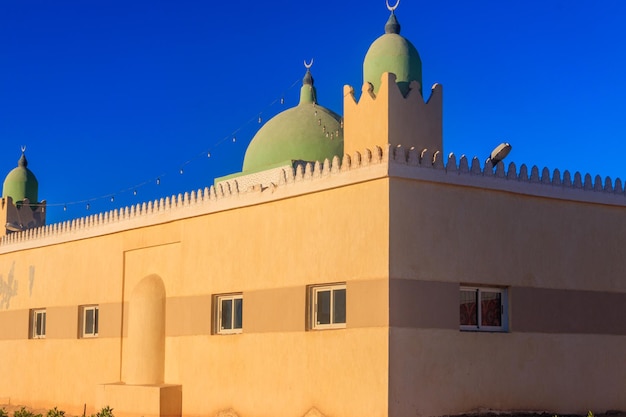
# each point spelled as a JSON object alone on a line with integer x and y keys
{"x": 3, "y": 412}
{"x": 55, "y": 413}
{"x": 23, "y": 412}
{"x": 105, "y": 412}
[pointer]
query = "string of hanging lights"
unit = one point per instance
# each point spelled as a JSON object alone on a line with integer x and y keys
{"x": 206, "y": 153}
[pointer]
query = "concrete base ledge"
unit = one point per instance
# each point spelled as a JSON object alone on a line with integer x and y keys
{"x": 163, "y": 400}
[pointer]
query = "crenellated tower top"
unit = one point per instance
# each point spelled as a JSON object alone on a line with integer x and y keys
{"x": 19, "y": 206}
{"x": 392, "y": 109}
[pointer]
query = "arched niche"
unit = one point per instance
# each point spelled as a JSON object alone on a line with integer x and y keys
{"x": 145, "y": 360}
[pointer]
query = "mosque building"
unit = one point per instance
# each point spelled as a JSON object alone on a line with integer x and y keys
{"x": 350, "y": 268}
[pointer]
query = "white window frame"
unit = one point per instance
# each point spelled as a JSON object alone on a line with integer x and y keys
{"x": 314, "y": 323}
{"x": 218, "y": 299}
{"x": 93, "y": 332}
{"x": 37, "y": 316}
{"x": 504, "y": 316}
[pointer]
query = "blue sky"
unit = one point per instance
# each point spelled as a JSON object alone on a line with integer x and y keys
{"x": 110, "y": 95}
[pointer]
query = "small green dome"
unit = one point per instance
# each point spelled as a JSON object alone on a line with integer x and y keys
{"x": 307, "y": 132}
{"x": 392, "y": 53}
{"x": 21, "y": 183}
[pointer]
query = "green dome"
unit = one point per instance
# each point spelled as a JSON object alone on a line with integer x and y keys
{"x": 307, "y": 132}
{"x": 392, "y": 53}
{"x": 21, "y": 183}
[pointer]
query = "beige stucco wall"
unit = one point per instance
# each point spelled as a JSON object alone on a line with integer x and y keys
{"x": 61, "y": 369}
{"x": 403, "y": 247}
{"x": 389, "y": 118}
{"x": 561, "y": 259}
{"x": 268, "y": 251}
{"x": 437, "y": 371}
{"x": 464, "y": 234}
{"x": 272, "y": 251}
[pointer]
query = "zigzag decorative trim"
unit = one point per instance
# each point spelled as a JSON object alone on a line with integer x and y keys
{"x": 398, "y": 156}
{"x": 425, "y": 158}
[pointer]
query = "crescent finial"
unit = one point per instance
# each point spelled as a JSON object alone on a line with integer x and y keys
{"x": 392, "y": 8}
{"x": 23, "y": 148}
{"x": 309, "y": 65}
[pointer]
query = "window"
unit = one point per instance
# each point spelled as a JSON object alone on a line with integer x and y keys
{"x": 328, "y": 306}
{"x": 483, "y": 308}
{"x": 38, "y": 323}
{"x": 229, "y": 314}
{"x": 89, "y": 321}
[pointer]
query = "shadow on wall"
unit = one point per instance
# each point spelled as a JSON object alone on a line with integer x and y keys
{"x": 8, "y": 288}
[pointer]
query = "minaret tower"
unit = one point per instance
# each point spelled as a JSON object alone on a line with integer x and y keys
{"x": 391, "y": 109}
{"x": 19, "y": 208}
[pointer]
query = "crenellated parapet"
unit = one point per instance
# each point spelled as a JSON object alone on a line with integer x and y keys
{"x": 21, "y": 216}
{"x": 223, "y": 196}
{"x": 390, "y": 117}
{"x": 533, "y": 181}
{"x": 309, "y": 177}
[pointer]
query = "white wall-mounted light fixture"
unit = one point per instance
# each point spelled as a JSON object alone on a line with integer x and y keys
{"x": 499, "y": 153}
